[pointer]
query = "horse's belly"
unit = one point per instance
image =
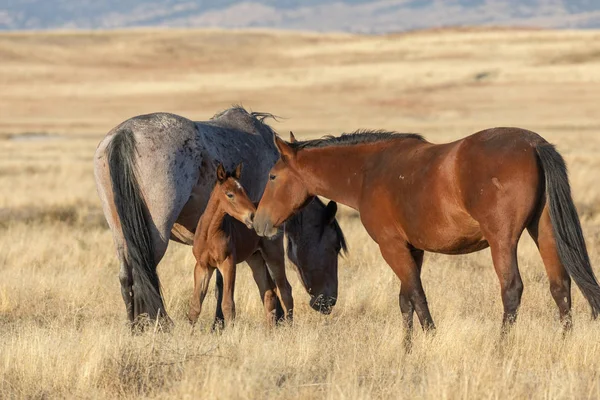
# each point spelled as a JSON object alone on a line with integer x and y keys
{"x": 463, "y": 245}
{"x": 452, "y": 239}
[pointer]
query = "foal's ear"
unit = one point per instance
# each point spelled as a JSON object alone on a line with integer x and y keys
{"x": 329, "y": 213}
{"x": 292, "y": 137}
{"x": 285, "y": 150}
{"x": 237, "y": 174}
{"x": 221, "y": 174}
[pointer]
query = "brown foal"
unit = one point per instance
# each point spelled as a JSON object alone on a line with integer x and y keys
{"x": 455, "y": 198}
{"x": 222, "y": 242}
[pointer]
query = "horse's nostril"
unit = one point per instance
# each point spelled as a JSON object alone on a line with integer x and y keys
{"x": 251, "y": 217}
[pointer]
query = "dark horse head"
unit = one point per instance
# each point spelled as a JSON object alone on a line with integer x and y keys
{"x": 314, "y": 241}
{"x": 315, "y": 238}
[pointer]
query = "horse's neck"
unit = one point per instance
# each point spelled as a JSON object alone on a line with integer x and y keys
{"x": 336, "y": 172}
{"x": 211, "y": 220}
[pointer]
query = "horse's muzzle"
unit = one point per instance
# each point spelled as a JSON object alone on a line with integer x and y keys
{"x": 264, "y": 227}
{"x": 323, "y": 304}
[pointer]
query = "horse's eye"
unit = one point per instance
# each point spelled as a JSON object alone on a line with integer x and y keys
{"x": 272, "y": 177}
{"x": 230, "y": 195}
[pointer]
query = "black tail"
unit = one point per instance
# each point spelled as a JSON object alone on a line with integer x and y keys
{"x": 131, "y": 209}
{"x": 567, "y": 229}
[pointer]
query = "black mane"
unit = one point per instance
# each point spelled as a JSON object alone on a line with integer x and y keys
{"x": 358, "y": 137}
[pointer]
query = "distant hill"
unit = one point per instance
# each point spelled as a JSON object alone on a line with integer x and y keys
{"x": 325, "y": 15}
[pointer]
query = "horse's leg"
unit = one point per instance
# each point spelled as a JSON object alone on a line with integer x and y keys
{"x": 202, "y": 275}
{"x": 219, "y": 323}
{"x": 265, "y": 286}
{"x": 542, "y": 233}
{"x": 126, "y": 279}
{"x": 273, "y": 253}
{"x": 406, "y": 307}
{"x": 504, "y": 256}
{"x": 279, "y": 312}
{"x": 160, "y": 248}
{"x": 227, "y": 268}
{"x": 406, "y": 264}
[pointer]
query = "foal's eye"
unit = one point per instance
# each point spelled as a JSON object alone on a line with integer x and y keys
{"x": 230, "y": 195}
{"x": 272, "y": 177}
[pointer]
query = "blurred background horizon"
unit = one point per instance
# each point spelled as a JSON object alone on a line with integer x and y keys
{"x": 357, "y": 16}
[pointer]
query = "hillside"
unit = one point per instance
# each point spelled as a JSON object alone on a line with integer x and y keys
{"x": 427, "y": 82}
{"x": 328, "y": 15}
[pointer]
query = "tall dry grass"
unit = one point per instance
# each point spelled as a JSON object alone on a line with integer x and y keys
{"x": 62, "y": 321}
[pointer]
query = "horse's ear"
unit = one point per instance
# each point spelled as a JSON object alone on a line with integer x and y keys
{"x": 285, "y": 150}
{"x": 221, "y": 174}
{"x": 329, "y": 213}
{"x": 237, "y": 174}
{"x": 292, "y": 137}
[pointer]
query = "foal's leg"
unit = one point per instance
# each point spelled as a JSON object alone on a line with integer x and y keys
{"x": 228, "y": 268}
{"x": 273, "y": 253}
{"x": 265, "y": 286}
{"x": 202, "y": 274}
{"x": 268, "y": 296}
{"x": 406, "y": 264}
{"x": 560, "y": 282}
{"x": 219, "y": 321}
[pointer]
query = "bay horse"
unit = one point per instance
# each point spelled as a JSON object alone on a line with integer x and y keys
{"x": 222, "y": 241}
{"x": 154, "y": 174}
{"x": 454, "y": 198}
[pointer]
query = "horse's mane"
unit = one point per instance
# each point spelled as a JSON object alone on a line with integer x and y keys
{"x": 357, "y": 137}
{"x": 257, "y": 116}
{"x": 253, "y": 118}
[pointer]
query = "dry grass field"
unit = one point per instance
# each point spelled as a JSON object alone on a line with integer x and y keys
{"x": 62, "y": 321}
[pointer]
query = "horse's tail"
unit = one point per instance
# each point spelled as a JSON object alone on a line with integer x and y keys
{"x": 568, "y": 235}
{"x": 132, "y": 212}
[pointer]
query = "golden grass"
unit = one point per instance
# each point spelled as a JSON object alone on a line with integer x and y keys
{"x": 62, "y": 321}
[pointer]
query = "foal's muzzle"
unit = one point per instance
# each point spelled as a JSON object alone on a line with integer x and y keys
{"x": 249, "y": 221}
